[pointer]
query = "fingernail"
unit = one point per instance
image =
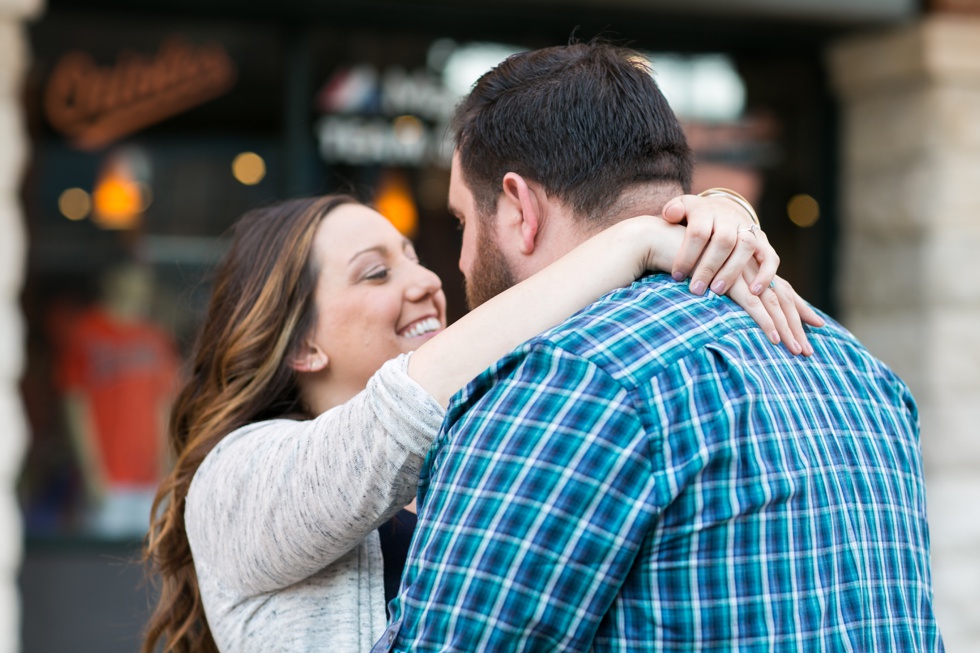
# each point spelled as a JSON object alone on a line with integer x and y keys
{"x": 774, "y": 337}
{"x": 698, "y": 287}
{"x": 677, "y": 276}
{"x": 809, "y": 349}
{"x": 718, "y": 287}
{"x": 796, "y": 347}
{"x": 756, "y": 289}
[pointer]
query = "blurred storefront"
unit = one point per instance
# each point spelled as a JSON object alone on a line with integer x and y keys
{"x": 149, "y": 127}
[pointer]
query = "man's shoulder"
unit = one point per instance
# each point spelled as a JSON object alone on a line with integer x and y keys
{"x": 648, "y": 330}
{"x": 650, "y": 327}
{"x": 652, "y": 298}
{"x": 653, "y": 322}
{"x": 612, "y": 335}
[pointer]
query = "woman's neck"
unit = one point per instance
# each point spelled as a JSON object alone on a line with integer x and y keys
{"x": 320, "y": 393}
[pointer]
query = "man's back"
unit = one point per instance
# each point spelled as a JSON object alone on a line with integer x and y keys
{"x": 654, "y": 475}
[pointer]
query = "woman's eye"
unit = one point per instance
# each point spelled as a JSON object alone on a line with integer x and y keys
{"x": 377, "y": 275}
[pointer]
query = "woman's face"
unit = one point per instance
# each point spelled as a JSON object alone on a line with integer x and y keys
{"x": 374, "y": 300}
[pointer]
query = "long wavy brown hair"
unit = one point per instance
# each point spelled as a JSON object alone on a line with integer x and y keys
{"x": 260, "y": 310}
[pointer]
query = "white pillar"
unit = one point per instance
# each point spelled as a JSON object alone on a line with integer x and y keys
{"x": 14, "y": 57}
{"x": 910, "y": 281}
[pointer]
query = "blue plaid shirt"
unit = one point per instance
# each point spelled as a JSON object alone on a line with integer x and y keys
{"x": 654, "y": 475}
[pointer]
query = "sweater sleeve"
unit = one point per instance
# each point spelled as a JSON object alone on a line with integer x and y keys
{"x": 277, "y": 501}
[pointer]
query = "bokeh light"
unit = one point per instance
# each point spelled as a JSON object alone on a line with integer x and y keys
{"x": 394, "y": 201}
{"x": 248, "y": 168}
{"x": 803, "y": 210}
{"x": 408, "y": 129}
{"x": 118, "y": 202}
{"x": 75, "y": 204}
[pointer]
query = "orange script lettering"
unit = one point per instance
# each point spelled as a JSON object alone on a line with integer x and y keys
{"x": 95, "y": 106}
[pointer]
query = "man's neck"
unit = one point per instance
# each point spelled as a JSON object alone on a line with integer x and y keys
{"x": 565, "y": 230}
{"x": 642, "y": 199}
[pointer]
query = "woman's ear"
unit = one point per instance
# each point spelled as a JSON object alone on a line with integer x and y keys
{"x": 310, "y": 358}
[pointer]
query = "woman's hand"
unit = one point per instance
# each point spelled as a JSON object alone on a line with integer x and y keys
{"x": 730, "y": 255}
{"x": 720, "y": 240}
{"x": 778, "y": 310}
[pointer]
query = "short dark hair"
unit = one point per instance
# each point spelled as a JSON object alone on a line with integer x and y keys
{"x": 586, "y": 121}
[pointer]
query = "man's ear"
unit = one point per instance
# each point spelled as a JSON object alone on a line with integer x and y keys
{"x": 309, "y": 358}
{"x": 525, "y": 199}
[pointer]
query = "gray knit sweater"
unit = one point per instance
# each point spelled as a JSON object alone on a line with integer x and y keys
{"x": 282, "y": 518}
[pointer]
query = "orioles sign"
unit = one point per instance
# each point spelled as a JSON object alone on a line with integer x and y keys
{"x": 94, "y": 106}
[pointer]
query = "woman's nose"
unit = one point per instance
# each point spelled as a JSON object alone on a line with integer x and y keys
{"x": 424, "y": 282}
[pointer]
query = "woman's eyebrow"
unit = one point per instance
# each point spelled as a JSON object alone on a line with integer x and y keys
{"x": 380, "y": 249}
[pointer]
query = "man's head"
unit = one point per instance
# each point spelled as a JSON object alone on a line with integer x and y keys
{"x": 578, "y": 130}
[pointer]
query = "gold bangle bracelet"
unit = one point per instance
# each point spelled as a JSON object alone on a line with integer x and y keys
{"x": 735, "y": 197}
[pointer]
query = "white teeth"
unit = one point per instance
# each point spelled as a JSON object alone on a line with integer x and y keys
{"x": 422, "y": 327}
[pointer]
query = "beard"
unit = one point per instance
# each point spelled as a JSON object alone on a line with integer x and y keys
{"x": 490, "y": 275}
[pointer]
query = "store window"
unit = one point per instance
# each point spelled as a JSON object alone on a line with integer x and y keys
{"x": 153, "y": 134}
{"x": 149, "y": 138}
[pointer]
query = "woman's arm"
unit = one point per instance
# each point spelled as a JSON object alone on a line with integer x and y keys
{"x": 613, "y": 258}
{"x": 278, "y": 501}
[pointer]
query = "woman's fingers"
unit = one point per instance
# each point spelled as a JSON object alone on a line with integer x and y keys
{"x": 806, "y": 311}
{"x": 781, "y": 312}
{"x": 742, "y": 257}
{"x": 675, "y": 211}
{"x": 700, "y": 230}
{"x": 755, "y": 307}
{"x": 768, "y": 261}
{"x": 780, "y": 294}
{"x": 713, "y": 241}
{"x": 797, "y": 312}
{"x": 723, "y": 251}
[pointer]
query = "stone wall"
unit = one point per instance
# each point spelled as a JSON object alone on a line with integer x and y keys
{"x": 13, "y": 248}
{"x": 910, "y": 277}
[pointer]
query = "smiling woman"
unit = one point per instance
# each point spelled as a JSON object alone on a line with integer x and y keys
{"x": 373, "y": 302}
{"x": 319, "y": 380}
